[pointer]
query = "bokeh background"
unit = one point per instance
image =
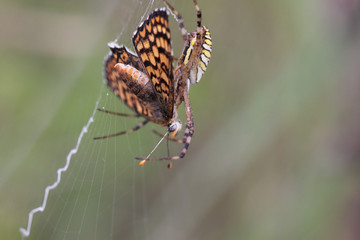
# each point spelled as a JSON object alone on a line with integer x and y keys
{"x": 276, "y": 148}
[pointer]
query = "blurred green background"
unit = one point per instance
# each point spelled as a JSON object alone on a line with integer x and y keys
{"x": 276, "y": 148}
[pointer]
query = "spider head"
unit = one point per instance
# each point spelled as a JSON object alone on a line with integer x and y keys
{"x": 174, "y": 128}
{"x": 197, "y": 53}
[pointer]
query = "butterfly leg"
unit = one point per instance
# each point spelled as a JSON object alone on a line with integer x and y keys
{"x": 136, "y": 127}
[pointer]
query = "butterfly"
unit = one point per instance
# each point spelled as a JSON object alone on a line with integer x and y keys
{"x": 147, "y": 82}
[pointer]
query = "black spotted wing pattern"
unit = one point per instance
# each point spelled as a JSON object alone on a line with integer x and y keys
{"x": 114, "y": 79}
{"x": 153, "y": 46}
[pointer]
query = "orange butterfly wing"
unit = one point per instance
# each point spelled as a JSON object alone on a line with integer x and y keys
{"x": 153, "y": 46}
{"x": 119, "y": 54}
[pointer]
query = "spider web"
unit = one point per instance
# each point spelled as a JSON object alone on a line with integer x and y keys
{"x": 99, "y": 192}
{"x": 262, "y": 163}
{"x": 85, "y": 189}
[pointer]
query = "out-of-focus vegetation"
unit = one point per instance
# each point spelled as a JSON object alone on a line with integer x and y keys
{"x": 277, "y": 125}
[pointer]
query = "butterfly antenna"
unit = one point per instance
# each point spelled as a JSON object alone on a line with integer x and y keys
{"x": 145, "y": 160}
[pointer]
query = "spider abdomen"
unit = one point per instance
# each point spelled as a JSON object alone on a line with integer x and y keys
{"x": 197, "y": 53}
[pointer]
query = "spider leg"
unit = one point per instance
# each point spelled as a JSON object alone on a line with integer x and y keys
{"x": 169, "y": 138}
{"x": 198, "y": 14}
{"x": 189, "y": 131}
{"x": 179, "y": 19}
{"x": 136, "y": 127}
{"x": 118, "y": 114}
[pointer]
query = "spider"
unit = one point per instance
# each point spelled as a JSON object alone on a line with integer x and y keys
{"x": 146, "y": 81}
